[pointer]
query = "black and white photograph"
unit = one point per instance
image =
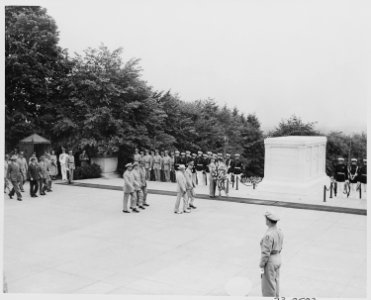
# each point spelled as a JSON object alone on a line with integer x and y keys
{"x": 185, "y": 148}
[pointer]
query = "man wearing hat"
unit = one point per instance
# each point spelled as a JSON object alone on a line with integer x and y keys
{"x": 177, "y": 162}
{"x": 166, "y": 165}
{"x": 270, "y": 259}
{"x": 236, "y": 169}
{"x": 143, "y": 182}
{"x": 137, "y": 186}
{"x": 147, "y": 164}
{"x": 34, "y": 175}
{"x": 190, "y": 184}
{"x": 340, "y": 176}
{"x": 353, "y": 174}
{"x": 362, "y": 178}
{"x": 188, "y": 158}
{"x": 129, "y": 189}
{"x": 181, "y": 190}
{"x": 156, "y": 165}
{"x": 23, "y": 167}
{"x": 14, "y": 176}
{"x": 199, "y": 166}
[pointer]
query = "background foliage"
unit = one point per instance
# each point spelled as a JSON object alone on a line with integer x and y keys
{"x": 98, "y": 102}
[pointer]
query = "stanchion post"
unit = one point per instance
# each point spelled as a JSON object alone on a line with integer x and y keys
{"x": 331, "y": 187}
{"x": 237, "y": 183}
{"x": 360, "y": 190}
{"x": 324, "y": 193}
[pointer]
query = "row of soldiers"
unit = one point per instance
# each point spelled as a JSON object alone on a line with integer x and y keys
{"x": 350, "y": 178}
{"x": 167, "y": 164}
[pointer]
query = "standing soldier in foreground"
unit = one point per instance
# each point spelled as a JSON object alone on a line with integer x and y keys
{"x": 129, "y": 190}
{"x": 270, "y": 260}
{"x": 181, "y": 190}
{"x": 362, "y": 178}
{"x": 340, "y": 176}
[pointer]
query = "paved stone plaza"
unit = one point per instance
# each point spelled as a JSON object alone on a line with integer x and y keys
{"x": 77, "y": 240}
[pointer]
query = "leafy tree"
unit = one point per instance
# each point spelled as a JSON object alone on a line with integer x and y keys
{"x": 34, "y": 65}
{"x": 293, "y": 126}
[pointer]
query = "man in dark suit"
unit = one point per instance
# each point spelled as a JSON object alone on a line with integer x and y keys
{"x": 34, "y": 175}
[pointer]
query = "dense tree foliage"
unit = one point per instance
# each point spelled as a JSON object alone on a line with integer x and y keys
{"x": 98, "y": 102}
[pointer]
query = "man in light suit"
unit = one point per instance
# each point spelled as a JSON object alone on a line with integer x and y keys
{"x": 129, "y": 189}
{"x": 156, "y": 165}
{"x": 137, "y": 186}
{"x": 23, "y": 167}
{"x": 166, "y": 165}
{"x": 63, "y": 162}
{"x": 14, "y": 176}
{"x": 190, "y": 184}
{"x": 181, "y": 190}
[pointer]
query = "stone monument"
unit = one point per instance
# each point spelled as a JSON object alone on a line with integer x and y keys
{"x": 295, "y": 168}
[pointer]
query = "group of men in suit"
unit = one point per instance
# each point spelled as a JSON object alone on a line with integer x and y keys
{"x": 350, "y": 178}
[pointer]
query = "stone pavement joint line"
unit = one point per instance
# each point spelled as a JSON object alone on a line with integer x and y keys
{"x": 296, "y": 205}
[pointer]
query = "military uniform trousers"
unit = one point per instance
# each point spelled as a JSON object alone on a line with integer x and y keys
{"x": 340, "y": 188}
{"x": 201, "y": 178}
{"x": 139, "y": 197}
{"x": 144, "y": 192}
{"x": 212, "y": 186}
{"x": 157, "y": 174}
{"x": 148, "y": 174}
{"x": 271, "y": 278}
{"x": 179, "y": 196}
{"x": 15, "y": 189}
{"x": 167, "y": 174}
{"x": 132, "y": 200}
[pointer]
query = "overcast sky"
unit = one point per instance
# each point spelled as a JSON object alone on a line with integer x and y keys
{"x": 273, "y": 58}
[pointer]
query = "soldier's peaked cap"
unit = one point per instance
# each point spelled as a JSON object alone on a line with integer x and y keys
{"x": 219, "y": 154}
{"x": 353, "y": 159}
{"x": 237, "y": 154}
{"x": 128, "y": 165}
{"x": 365, "y": 159}
{"x": 181, "y": 167}
{"x": 271, "y": 216}
{"x": 13, "y": 157}
{"x": 135, "y": 164}
{"x": 340, "y": 158}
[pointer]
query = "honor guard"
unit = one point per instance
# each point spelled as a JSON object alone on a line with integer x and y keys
{"x": 147, "y": 164}
{"x": 270, "y": 259}
{"x": 156, "y": 165}
{"x": 177, "y": 162}
{"x": 194, "y": 175}
{"x": 166, "y": 166}
{"x": 199, "y": 166}
{"x": 183, "y": 159}
{"x": 340, "y": 176}
{"x": 228, "y": 163}
{"x": 237, "y": 169}
{"x": 188, "y": 158}
{"x": 136, "y": 157}
{"x": 353, "y": 174}
{"x": 362, "y": 178}
{"x": 172, "y": 170}
{"x": 206, "y": 167}
{"x": 220, "y": 157}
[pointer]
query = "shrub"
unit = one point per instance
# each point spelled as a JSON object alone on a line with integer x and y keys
{"x": 88, "y": 171}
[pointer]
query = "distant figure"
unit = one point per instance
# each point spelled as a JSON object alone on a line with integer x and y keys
{"x": 63, "y": 162}
{"x": 44, "y": 175}
{"x": 213, "y": 176}
{"x": 53, "y": 171}
{"x": 237, "y": 169}
{"x": 191, "y": 184}
{"x": 156, "y": 165}
{"x": 166, "y": 165}
{"x": 362, "y": 178}
{"x": 23, "y": 167}
{"x": 270, "y": 260}
{"x": 137, "y": 186}
{"x": 70, "y": 161}
{"x": 84, "y": 159}
{"x": 340, "y": 176}
{"x": 143, "y": 181}
{"x": 14, "y": 175}
{"x": 34, "y": 175}
{"x": 6, "y": 181}
{"x": 137, "y": 156}
{"x": 147, "y": 164}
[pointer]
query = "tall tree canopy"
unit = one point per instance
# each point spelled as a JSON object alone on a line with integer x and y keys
{"x": 34, "y": 67}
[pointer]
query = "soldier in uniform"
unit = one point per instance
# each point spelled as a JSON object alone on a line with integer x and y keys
{"x": 206, "y": 170}
{"x": 362, "y": 178}
{"x": 23, "y": 167}
{"x": 136, "y": 156}
{"x": 183, "y": 159}
{"x": 353, "y": 174}
{"x": 270, "y": 259}
{"x": 166, "y": 165}
{"x": 156, "y": 166}
{"x": 129, "y": 189}
{"x": 340, "y": 176}
{"x": 137, "y": 186}
{"x": 34, "y": 175}
{"x": 143, "y": 182}
{"x": 147, "y": 164}
{"x": 194, "y": 175}
{"x": 181, "y": 190}
{"x": 228, "y": 163}
{"x": 190, "y": 185}
{"x": 14, "y": 175}
{"x": 172, "y": 170}
{"x": 220, "y": 157}
{"x": 237, "y": 169}
{"x": 187, "y": 158}
{"x": 213, "y": 177}
{"x": 199, "y": 166}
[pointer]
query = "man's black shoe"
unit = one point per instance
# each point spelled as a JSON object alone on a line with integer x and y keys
{"x": 126, "y": 211}
{"x": 142, "y": 207}
{"x": 145, "y": 204}
{"x": 135, "y": 210}
{"x": 192, "y": 206}
{"x": 19, "y": 199}
{"x": 10, "y": 196}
